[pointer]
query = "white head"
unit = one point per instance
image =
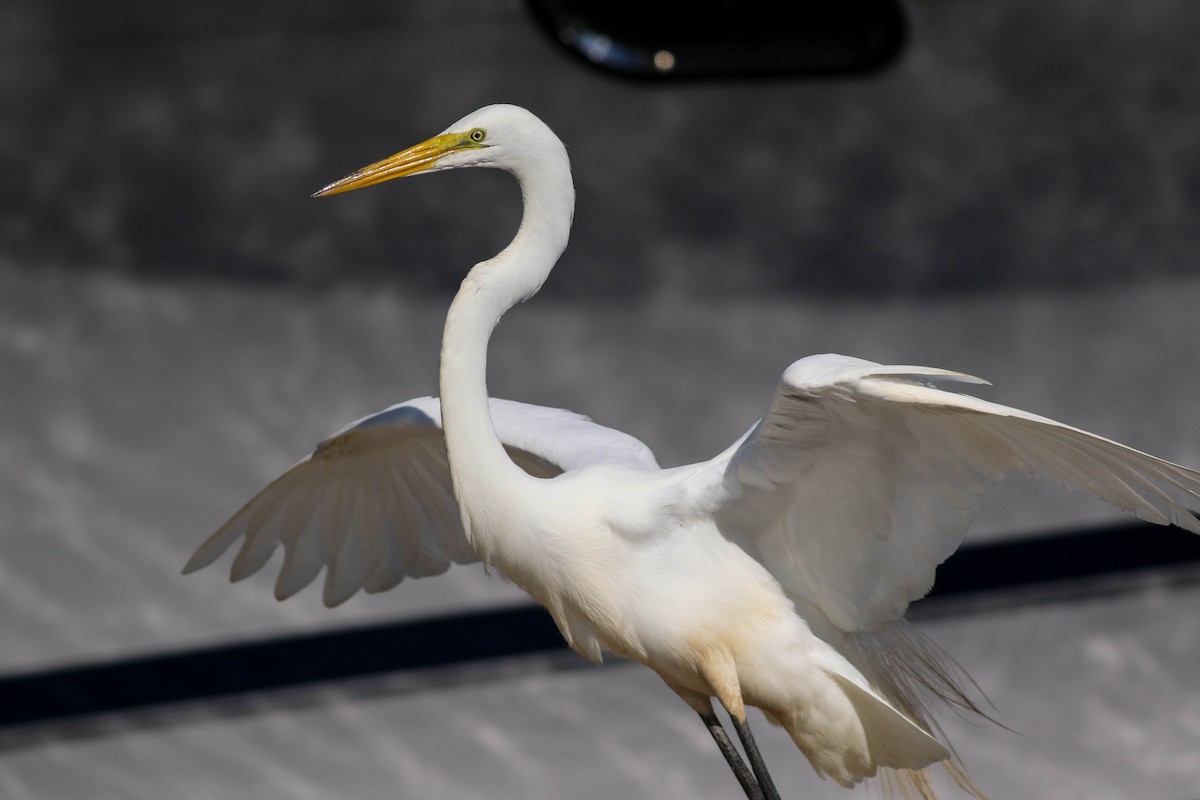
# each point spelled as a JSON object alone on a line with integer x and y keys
{"x": 502, "y": 136}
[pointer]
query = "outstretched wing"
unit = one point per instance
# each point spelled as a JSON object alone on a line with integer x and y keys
{"x": 374, "y": 504}
{"x": 862, "y": 478}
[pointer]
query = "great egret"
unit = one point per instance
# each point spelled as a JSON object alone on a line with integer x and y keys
{"x": 775, "y": 575}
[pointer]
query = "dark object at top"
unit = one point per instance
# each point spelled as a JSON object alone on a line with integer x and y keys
{"x": 726, "y": 39}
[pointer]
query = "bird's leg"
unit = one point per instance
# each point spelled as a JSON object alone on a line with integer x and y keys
{"x": 732, "y": 757}
{"x": 720, "y": 672}
{"x": 702, "y": 705}
{"x": 766, "y": 785}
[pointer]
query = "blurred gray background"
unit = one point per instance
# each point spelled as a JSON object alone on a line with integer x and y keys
{"x": 1016, "y": 196}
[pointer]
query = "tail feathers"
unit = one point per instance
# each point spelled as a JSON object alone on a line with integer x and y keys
{"x": 893, "y": 740}
{"x": 852, "y": 733}
{"x": 915, "y": 784}
{"x": 914, "y": 675}
{"x": 904, "y": 749}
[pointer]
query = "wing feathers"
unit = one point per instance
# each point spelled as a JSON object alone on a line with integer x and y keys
{"x": 301, "y": 565}
{"x": 374, "y": 503}
{"x": 876, "y": 474}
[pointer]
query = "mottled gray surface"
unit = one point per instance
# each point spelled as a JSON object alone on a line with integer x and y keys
{"x": 1018, "y": 198}
{"x": 1015, "y": 145}
{"x": 1104, "y": 712}
{"x": 142, "y": 422}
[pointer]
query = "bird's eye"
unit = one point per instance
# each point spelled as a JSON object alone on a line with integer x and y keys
{"x": 477, "y": 135}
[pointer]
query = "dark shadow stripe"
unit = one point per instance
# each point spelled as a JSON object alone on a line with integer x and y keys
{"x": 274, "y": 664}
{"x": 241, "y": 669}
{"x": 1063, "y": 557}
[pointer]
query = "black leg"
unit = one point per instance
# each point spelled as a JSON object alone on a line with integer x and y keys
{"x": 766, "y": 785}
{"x": 740, "y": 770}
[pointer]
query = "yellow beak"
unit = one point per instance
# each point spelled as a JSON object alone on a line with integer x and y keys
{"x": 417, "y": 158}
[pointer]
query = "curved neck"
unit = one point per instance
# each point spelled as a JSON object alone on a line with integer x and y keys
{"x": 482, "y": 472}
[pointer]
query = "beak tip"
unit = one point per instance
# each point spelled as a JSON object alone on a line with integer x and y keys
{"x": 407, "y": 162}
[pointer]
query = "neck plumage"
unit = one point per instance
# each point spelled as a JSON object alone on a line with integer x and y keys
{"x": 485, "y": 478}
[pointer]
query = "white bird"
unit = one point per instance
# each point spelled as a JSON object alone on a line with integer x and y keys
{"x": 775, "y": 575}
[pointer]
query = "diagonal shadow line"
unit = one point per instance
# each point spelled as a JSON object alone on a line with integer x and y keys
{"x": 279, "y": 663}
{"x": 425, "y": 650}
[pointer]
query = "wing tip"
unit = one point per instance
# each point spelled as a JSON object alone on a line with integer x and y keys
{"x": 194, "y": 564}
{"x": 204, "y": 556}
{"x": 334, "y": 596}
